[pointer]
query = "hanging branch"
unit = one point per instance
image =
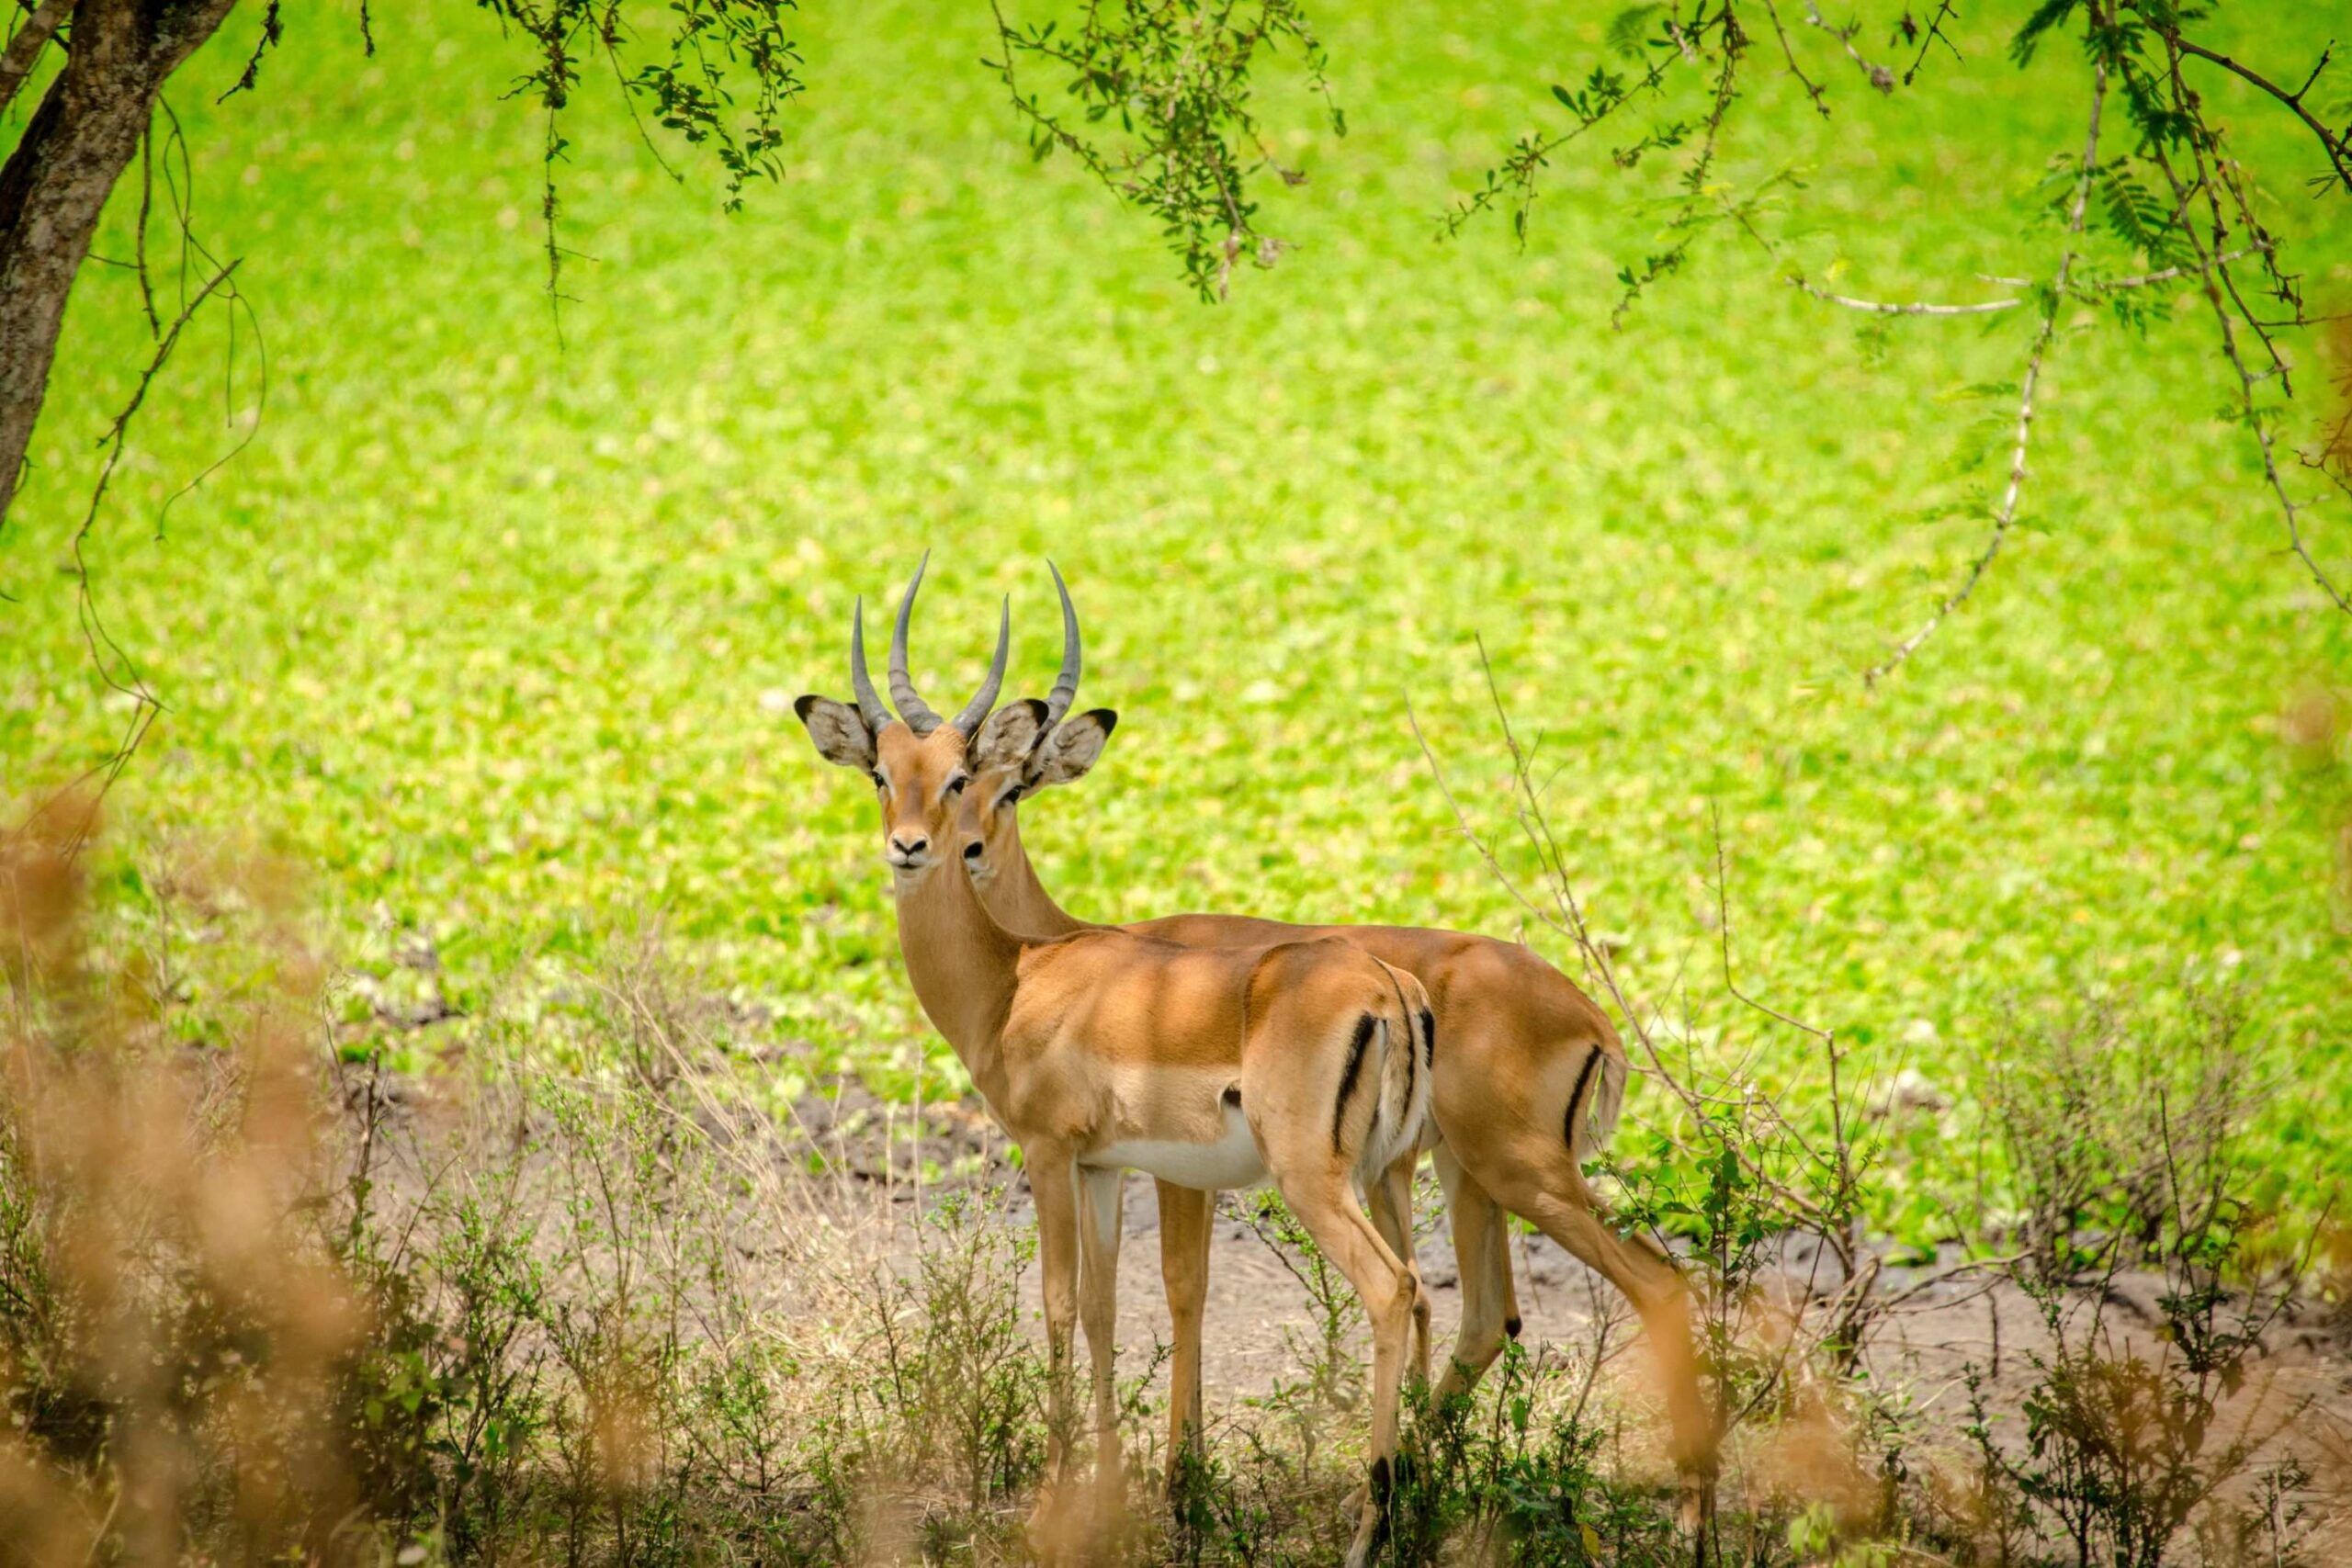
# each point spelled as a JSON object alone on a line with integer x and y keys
{"x": 2053, "y": 299}
{"x": 114, "y": 666}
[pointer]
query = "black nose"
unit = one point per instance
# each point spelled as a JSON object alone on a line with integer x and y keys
{"x": 910, "y": 847}
{"x": 972, "y": 850}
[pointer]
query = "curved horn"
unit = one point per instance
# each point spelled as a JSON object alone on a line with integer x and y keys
{"x": 861, "y": 680}
{"x": 919, "y": 715}
{"x": 1064, "y": 690}
{"x": 975, "y": 712}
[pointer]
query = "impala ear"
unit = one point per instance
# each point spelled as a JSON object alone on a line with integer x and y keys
{"x": 1008, "y": 734}
{"x": 1072, "y": 748}
{"x": 838, "y": 731}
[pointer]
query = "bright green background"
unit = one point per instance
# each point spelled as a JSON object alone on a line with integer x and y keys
{"x": 495, "y": 638}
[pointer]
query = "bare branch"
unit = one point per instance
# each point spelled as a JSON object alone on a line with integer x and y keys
{"x": 1902, "y": 307}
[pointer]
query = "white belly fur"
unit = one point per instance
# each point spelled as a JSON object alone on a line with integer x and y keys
{"x": 1230, "y": 1162}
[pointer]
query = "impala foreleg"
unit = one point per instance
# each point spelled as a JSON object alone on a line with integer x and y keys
{"x": 1185, "y": 1225}
{"x": 1099, "y": 1224}
{"x": 1053, "y": 1184}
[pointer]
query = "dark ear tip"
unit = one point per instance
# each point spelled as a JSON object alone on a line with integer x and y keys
{"x": 1108, "y": 719}
{"x": 803, "y": 707}
{"x": 1037, "y": 709}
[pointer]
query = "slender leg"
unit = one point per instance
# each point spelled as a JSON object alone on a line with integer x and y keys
{"x": 1053, "y": 1182}
{"x": 1098, "y": 1306}
{"x": 1321, "y": 1200}
{"x": 1184, "y": 1230}
{"x": 1390, "y": 1201}
{"x": 1657, "y": 1292}
{"x": 1481, "y": 1251}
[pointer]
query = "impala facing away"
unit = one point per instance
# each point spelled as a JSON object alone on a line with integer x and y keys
{"x": 1099, "y": 1051}
{"x": 1529, "y": 1072}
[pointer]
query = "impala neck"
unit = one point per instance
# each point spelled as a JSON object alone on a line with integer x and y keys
{"x": 1020, "y": 902}
{"x": 964, "y": 966}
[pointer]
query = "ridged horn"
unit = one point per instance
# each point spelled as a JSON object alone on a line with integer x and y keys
{"x": 1064, "y": 690}
{"x": 975, "y": 712}
{"x": 861, "y": 680}
{"x": 917, "y": 713}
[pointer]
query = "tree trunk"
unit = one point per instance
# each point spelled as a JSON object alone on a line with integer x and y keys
{"x": 56, "y": 182}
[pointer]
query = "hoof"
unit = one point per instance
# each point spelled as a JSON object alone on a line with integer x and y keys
{"x": 1696, "y": 1505}
{"x": 1371, "y": 1505}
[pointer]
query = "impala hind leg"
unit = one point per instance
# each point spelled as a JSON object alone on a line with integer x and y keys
{"x": 1325, "y": 1204}
{"x": 1390, "y": 1200}
{"x": 1482, "y": 1254}
{"x": 1100, "y": 1222}
{"x": 1185, "y": 1225}
{"x": 1563, "y": 1208}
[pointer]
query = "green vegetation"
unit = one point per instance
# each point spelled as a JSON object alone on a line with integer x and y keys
{"x": 494, "y": 639}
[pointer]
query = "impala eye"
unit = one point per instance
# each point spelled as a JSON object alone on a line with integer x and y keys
{"x": 1009, "y": 796}
{"x": 956, "y": 786}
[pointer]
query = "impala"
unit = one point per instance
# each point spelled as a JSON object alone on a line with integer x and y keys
{"x": 1529, "y": 1072}
{"x": 1100, "y": 1051}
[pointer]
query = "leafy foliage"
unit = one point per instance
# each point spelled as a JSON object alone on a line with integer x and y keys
{"x": 1162, "y": 114}
{"x": 696, "y": 83}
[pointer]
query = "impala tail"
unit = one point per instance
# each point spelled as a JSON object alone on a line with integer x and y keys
{"x": 1406, "y": 1036}
{"x": 1598, "y": 1095}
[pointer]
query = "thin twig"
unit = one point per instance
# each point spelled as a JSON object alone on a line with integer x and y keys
{"x": 1877, "y": 75}
{"x": 2339, "y": 156}
{"x": 1812, "y": 89}
{"x": 2213, "y": 275}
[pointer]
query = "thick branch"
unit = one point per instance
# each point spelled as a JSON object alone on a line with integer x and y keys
{"x": 57, "y": 179}
{"x": 24, "y": 49}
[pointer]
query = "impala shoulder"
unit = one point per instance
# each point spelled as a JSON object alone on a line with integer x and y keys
{"x": 1080, "y": 948}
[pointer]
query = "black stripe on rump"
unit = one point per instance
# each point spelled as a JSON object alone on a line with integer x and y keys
{"x": 1429, "y": 1037}
{"x": 1364, "y": 1027}
{"x": 1575, "y": 1096}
